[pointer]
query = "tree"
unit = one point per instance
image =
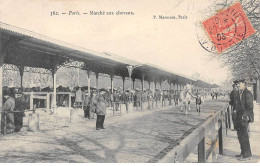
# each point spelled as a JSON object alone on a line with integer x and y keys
{"x": 243, "y": 59}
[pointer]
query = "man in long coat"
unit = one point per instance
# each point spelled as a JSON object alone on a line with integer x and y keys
{"x": 244, "y": 110}
{"x": 20, "y": 106}
{"x": 234, "y": 99}
{"x": 100, "y": 105}
{"x": 8, "y": 115}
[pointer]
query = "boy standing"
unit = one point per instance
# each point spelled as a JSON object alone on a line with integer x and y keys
{"x": 198, "y": 102}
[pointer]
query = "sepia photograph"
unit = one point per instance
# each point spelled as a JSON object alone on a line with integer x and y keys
{"x": 130, "y": 81}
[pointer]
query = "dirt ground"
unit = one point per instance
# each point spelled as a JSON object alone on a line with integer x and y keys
{"x": 134, "y": 137}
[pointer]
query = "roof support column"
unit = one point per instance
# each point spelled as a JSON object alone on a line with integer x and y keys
{"x": 97, "y": 79}
{"x": 149, "y": 84}
{"x": 78, "y": 75}
{"x": 130, "y": 71}
{"x": 21, "y": 71}
{"x": 133, "y": 83}
{"x": 54, "y": 104}
{"x": 123, "y": 77}
{"x": 2, "y": 120}
{"x": 143, "y": 82}
{"x": 170, "y": 86}
{"x": 112, "y": 82}
{"x": 1, "y": 77}
{"x": 154, "y": 86}
{"x": 88, "y": 74}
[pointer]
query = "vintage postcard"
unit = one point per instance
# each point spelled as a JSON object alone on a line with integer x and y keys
{"x": 129, "y": 81}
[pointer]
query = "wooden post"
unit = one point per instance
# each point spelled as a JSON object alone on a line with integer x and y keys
{"x": 47, "y": 101}
{"x": 33, "y": 122}
{"x": 202, "y": 151}
{"x": 69, "y": 100}
{"x": 133, "y": 83}
{"x": 54, "y": 104}
{"x": 213, "y": 141}
{"x": 88, "y": 73}
{"x": 31, "y": 100}
{"x": 97, "y": 79}
{"x": 228, "y": 117}
{"x": 220, "y": 136}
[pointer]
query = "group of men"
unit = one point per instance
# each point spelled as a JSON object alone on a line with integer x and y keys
{"x": 15, "y": 103}
{"x": 137, "y": 97}
{"x": 241, "y": 101}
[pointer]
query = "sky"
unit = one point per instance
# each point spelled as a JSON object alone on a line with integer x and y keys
{"x": 171, "y": 44}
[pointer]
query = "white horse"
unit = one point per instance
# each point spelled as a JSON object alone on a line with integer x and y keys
{"x": 185, "y": 98}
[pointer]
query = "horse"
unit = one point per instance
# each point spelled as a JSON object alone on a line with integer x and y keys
{"x": 185, "y": 98}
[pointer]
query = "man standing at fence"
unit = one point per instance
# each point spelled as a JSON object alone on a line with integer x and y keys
{"x": 234, "y": 98}
{"x": 244, "y": 110}
{"x": 20, "y": 106}
{"x": 8, "y": 115}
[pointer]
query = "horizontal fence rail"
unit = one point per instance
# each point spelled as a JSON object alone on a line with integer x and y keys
{"x": 197, "y": 139}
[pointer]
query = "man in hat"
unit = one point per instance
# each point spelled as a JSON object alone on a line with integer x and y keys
{"x": 116, "y": 99}
{"x": 8, "y": 109}
{"x": 234, "y": 98}
{"x": 199, "y": 101}
{"x": 100, "y": 106}
{"x": 125, "y": 99}
{"x": 244, "y": 110}
{"x": 20, "y": 105}
{"x": 86, "y": 103}
{"x": 138, "y": 98}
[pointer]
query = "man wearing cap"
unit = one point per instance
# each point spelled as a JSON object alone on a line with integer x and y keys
{"x": 92, "y": 101}
{"x": 8, "y": 108}
{"x": 100, "y": 106}
{"x": 20, "y": 106}
{"x": 244, "y": 109}
{"x": 125, "y": 99}
{"x": 86, "y": 106}
{"x": 234, "y": 98}
{"x": 116, "y": 99}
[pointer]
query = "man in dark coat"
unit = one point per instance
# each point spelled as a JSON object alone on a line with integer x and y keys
{"x": 244, "y": 109}
{"x": 138, "y": 97}
{"x": 125, "y": 99}
{"x": 86, "y": 103}
{"x": 234, "y": 99}
{"x": 20, "y": 106}
{"x": 8, "y": 115}
{"x": 116, "y": 100}
{"x": 100, "y": 105}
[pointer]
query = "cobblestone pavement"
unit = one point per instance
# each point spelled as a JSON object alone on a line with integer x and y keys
{"x": 138, "y": 136}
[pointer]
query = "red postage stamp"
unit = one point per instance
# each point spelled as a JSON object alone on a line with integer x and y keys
{"x": 228, "y": 27}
